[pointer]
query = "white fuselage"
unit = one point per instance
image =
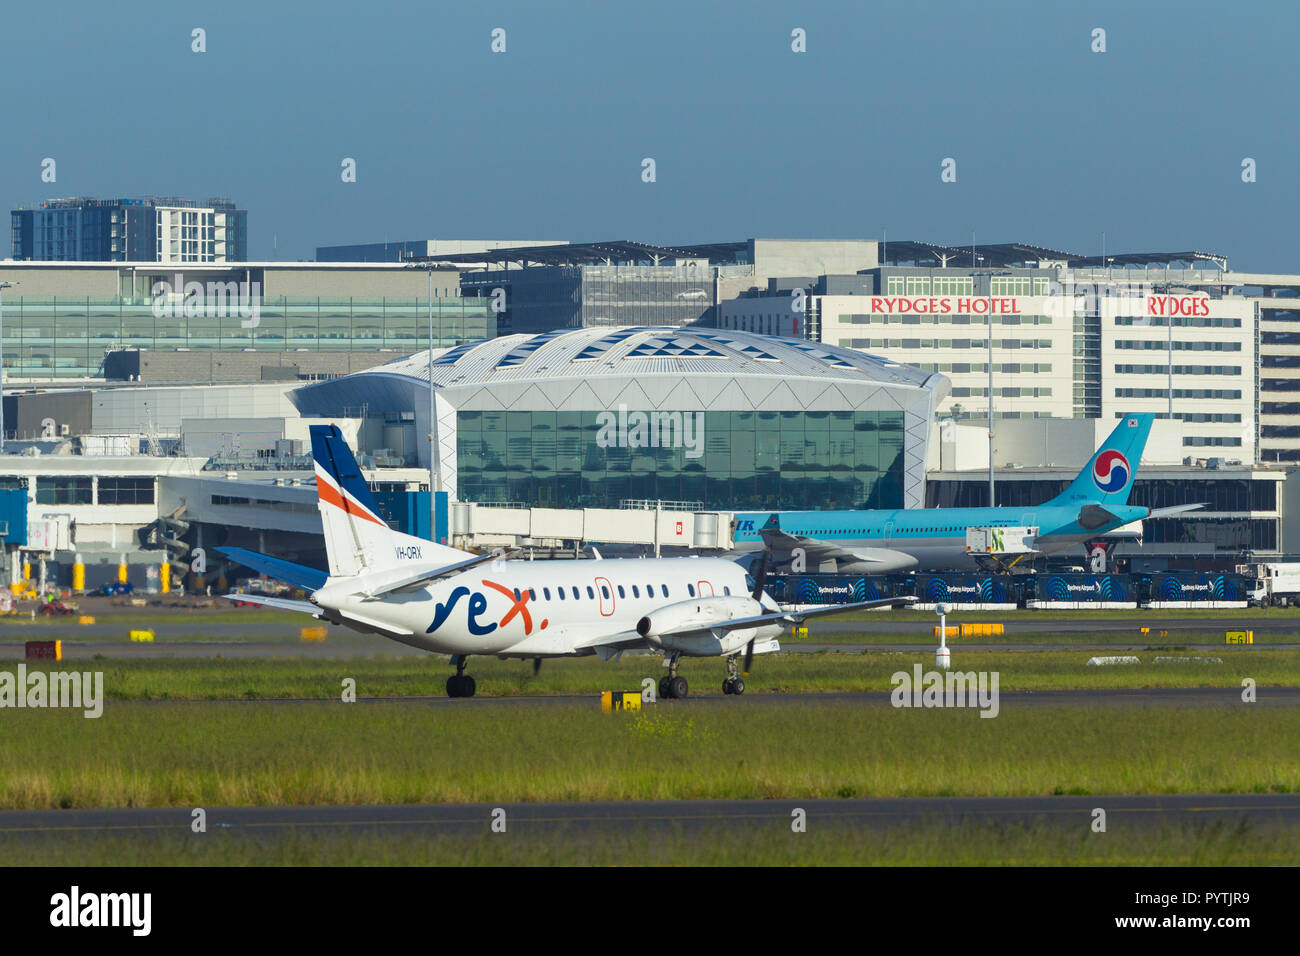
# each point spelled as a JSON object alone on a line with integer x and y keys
{"x": 555, "y": 607}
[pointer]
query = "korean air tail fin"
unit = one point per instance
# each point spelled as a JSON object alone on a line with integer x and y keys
{"x": 1108, "y": 476}
{"x": 357, "y": 539}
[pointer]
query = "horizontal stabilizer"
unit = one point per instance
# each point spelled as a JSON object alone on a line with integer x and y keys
{"x": 376, "y": 585}
{"x": 1175, "y": 510}
{"x": 298, "y": 575}
{"x": 1092, "y": 517}
{"x": 282, "y": 604}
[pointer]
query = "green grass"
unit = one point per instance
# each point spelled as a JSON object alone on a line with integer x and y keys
{"x": 268, "y": 678}
{"x": 936, "y": 844}
{"x": 178, "y": 754}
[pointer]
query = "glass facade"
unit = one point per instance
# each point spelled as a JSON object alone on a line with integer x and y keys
{"x": 746, "y": 460}
{"x": 50, "y": 337}
{"x": 540, "y": 299}
{"x": 1219, "y": 494}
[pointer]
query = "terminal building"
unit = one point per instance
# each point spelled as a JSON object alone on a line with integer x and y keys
{"x": 599, "y": 416}
{"x": 426, "y": 250}
{"x": 612, "y": 284}
{"x": 771, "y": 374}
{"x": 225, "y": 323}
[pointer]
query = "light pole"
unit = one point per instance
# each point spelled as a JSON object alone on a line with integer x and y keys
{"x": 433, "y": 420}
{"x": 3, "y": 286}
{"x": 992, "y": 503}
{"x": 942, "y": 656}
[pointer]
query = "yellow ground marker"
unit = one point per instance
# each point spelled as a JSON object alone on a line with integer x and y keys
{"x": 612, "y": 701}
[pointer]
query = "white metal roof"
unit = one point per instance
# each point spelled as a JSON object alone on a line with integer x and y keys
{"x": 630, "y": 352}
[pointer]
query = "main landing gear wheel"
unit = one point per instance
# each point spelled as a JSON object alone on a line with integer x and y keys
{"x": 672, "y": 687}
{"x": 460, "y": 684}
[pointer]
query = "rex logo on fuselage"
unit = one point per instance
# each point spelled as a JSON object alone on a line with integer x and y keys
{"x": 478, "y": 604}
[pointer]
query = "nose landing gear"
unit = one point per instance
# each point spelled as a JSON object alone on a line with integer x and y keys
{"x": 733, "y": 684}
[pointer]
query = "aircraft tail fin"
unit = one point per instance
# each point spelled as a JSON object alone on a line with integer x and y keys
{"x": 357, "y": 539}
{"x": 1108, "y": 477}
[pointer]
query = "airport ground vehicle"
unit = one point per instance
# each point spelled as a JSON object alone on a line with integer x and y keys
{"x": 1277, "y": 584}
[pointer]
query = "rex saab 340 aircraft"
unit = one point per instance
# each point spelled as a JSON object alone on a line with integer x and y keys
{"x": 877, "y": 542}
{"x": 448, "y": 601}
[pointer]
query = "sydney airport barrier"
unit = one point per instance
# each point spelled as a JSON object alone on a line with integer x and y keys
{"x": 971, "y": 590}
{"x": 966, "y": 590}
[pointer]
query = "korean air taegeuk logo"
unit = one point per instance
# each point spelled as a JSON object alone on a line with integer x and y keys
{"x": 1110, "y": 471}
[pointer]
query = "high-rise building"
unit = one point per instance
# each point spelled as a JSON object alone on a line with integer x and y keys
{"x": 152, "y": 229}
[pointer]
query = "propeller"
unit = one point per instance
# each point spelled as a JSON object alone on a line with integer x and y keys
{"x": 537, "y": 665}
{"x": 759, "y": 580}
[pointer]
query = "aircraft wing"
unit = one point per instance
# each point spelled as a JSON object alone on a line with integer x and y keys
{"x": 816, "y": 551}
{"x": 790, "y": 617}
{"x": 283, "y": 604}
{"x": 798, "y": 617}
{"x": 623, "y": 639}
{"x": 611, "y": 645}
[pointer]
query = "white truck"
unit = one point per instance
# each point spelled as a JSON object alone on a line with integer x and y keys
{"x": 1001, "y": 540}
{"x": 1000, "y": 547}
{"x": 1277, "y": 584}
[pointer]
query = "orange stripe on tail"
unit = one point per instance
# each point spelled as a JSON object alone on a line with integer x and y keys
{"x": 331, "y": 495}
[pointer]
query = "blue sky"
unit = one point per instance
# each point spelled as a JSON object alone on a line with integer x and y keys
{"x": 1054, "y": 143}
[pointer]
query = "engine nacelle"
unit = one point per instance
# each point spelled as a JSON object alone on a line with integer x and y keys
{"x": 695, "y": 613}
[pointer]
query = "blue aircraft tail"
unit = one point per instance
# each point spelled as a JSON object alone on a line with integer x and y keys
{"x": 357, "y": 538}
{"x": 1108, "y": 476}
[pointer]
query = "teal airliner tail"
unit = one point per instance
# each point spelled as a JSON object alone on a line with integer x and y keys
{"x": 1108, "y": 476}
